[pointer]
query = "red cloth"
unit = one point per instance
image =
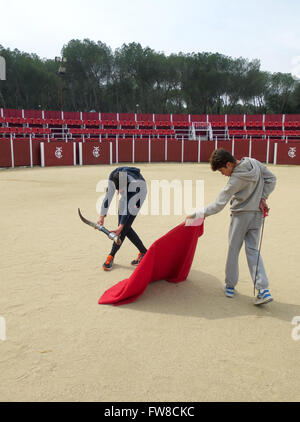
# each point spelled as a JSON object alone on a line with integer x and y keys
{"x": 169, "y": 258}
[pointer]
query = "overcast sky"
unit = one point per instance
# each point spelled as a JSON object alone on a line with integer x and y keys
{"x": 268, "y": 30}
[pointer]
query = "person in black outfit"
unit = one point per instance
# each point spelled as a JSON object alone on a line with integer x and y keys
{"x": 132, "y": 187}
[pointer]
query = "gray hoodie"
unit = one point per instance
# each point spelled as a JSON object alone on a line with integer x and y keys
{"x": 249, "y": 182}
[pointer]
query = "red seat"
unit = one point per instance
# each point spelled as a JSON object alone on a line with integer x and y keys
{"x": 33, "y": 121}
{"x": 256, "y": 123}
{"x": 292, "y": 124}
{"x": 235, "y": 124}
{"x": 163, "y": 120}
{"x": 57, "y": 122}
{"x": 91, "y": 122}
{"x": 235, "y": 120}
{"x": 254, "y": 120}
{"x": 292, "y": 133}
{"x": 15, "y": 120}
{"x": 162, "y": 124}
{"x": 236, "y": 132}
{"x": 128, "y": 123}
{"x": 179, "y": 123}
{"x": 146, "y": 123}
{"x": 255, "y": 132}
{"x": 146, "y": 131}
{"x": 274, "y": 132}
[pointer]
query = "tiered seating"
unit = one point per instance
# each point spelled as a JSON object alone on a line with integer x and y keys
{"x": 273, "y": 121}
{"x": 237, "y": 132}
{"x": 292, "y": 121}
{"x": 180, "y": 124}
{"x": 91, "y": 119}
{"x": 235, "y": 121}
{"x": 127, "y": 120}
{"x": 162, "y": 121}
{"x": 145, "y": 121}
{"x": 254, "y": 120}
{"x": 199, "y": 125}
{"x": 218, "y": 125}
{"x": 13, "y": 113}
{"x": 25, "y": 130}
{"x": 292, "y": 133}
{"x": 198, "y": 118}
{"x": 217, "y": 121}
{"x": 59, "y": 125}
{"x": 256, "y": 133}
{"x": 15, "y": 120}
{"x": 123, "y": 132}
{"x": 109, "y": 120}
{"x": 33, "y": 114}
{"x": 180, "y": 121}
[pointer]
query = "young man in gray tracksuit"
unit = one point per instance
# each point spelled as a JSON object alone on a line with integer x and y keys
{"x": 249, "y": 186}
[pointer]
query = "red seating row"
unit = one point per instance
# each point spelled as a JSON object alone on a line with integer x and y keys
{"x": 154, "y": 132}
{"x": 25, "y": 130}
{"x": 140, "y": 132}
{"x": 104, "y": 123}
{"x": 36, "y": 117}
{"x": 264, "y": 132}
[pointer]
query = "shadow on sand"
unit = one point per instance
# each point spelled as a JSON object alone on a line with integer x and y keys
{"x": 202, "y": 296}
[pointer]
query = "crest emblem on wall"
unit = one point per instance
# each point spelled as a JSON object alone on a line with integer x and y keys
{"x": 58, "y": 152}
{"x": 96, "y": 152}
{"x": 292, "y": 152}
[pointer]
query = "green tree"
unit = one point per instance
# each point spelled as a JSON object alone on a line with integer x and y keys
{"x": 88, "y": 74}
{"x": 279, "y": 93}
{"x": 100, "y": 79}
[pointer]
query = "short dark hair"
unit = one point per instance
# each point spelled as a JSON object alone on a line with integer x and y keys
{"x": 219, "y": 158}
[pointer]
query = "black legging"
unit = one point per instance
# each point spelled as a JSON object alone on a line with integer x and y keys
{"x": 131, "y": 234}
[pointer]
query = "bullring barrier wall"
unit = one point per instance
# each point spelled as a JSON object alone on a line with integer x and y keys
{"x": 28, "y": 152}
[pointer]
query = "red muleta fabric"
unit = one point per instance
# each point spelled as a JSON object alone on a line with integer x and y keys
{"x": 169, "y": 258}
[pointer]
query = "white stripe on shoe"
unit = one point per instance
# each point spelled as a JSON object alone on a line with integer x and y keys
{"x": 264, "y": 296}
{"x": 229, "y": 291}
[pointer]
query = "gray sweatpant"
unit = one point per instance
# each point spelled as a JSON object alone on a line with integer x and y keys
{"x": 245, "y": 226}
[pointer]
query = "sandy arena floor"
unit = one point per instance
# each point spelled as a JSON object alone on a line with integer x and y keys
{"x": 184, "y": 342}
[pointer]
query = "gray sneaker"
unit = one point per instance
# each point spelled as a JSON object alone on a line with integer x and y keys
{"x": 264, "y": 296}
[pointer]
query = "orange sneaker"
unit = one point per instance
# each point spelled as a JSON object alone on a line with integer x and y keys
{"x": 138, "y": 260}
{"x": 107, "y": 266}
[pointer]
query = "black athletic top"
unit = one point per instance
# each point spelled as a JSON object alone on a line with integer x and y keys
{"x": 128, "y": 181}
